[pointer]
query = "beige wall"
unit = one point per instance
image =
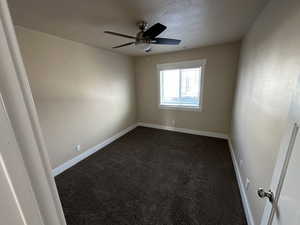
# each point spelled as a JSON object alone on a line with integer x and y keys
{"x": 219, "y": 85}
{"x": 269, "y": 65}
{"x": 83, "y": 95}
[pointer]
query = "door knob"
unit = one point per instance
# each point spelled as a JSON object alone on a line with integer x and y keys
{"x": 265, "y": 194}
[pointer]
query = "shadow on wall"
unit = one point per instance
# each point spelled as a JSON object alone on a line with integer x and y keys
{"x": 269, "y": 66}
{"x": 83, "y": 95}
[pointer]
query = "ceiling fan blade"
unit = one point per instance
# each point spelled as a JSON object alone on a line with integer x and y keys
{"x": 119, "y": 46}
{"x": 118, "y": 34}
{"x": 165, "y": 41}
{"x": 155, "y": 30}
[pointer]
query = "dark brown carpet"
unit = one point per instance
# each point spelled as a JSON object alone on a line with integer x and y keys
{"x": 154, "y": 177}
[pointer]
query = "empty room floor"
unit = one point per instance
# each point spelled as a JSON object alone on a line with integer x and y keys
{"x": 151, "y": 176}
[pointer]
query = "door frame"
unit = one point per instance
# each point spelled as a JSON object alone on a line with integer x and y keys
{"x": 20, "y": 107}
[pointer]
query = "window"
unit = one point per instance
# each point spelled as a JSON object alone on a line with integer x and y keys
{"x": 181, "y": 84}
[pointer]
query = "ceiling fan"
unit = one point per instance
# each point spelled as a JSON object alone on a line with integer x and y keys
{"x": 146, "y": 37}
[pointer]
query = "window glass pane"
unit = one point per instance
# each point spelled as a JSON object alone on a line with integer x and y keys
{"x": 170, "y": 87}
{"x": 190, "y": 86}
{"x": 180, "y": 87}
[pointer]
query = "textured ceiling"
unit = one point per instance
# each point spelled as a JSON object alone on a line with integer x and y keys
{"x": 196, "y": 22}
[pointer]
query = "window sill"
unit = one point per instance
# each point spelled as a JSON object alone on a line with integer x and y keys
{"x": 180, "y": 107}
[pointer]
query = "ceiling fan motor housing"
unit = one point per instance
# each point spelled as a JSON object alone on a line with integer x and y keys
{"x": 141, "y": 39}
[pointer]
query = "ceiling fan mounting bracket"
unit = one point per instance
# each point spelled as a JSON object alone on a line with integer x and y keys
{"x": 142, "y": 25}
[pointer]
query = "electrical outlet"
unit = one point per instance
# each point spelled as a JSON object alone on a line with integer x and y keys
{"x": 77, "y": 148}
{"x": 241, "y": 162}
{"x": 173, "y": 123}
{"x": 247, "y": 184}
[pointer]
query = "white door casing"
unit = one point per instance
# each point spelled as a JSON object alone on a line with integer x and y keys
{"x": 18, "y": 205}
{"x": 17, "y": 96}
{"x": 285, "y": 184}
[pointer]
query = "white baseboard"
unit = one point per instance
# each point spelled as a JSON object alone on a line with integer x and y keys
{"x": 247, "y": 209}
{"x": 58, "y": 170}
{"x": 245, "y": 201}
{"x": 184, "y": 130}
{"x": 96, "y": 148}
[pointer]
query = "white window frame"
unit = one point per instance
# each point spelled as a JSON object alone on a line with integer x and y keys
{"x": 183, "y": 65}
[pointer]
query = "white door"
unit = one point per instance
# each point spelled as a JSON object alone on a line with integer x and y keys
{"x": 17, "y": 202}
{"x": 285, "y": 185}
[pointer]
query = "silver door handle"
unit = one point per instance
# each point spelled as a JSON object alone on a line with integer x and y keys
{"x": 265, "y": 194}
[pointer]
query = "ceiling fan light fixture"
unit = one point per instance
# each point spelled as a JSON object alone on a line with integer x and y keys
{"x": 142, "y": 46}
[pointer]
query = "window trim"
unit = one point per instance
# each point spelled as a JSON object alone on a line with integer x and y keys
{"x": 183, "y": 65}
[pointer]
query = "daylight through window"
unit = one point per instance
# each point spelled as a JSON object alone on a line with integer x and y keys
{"x": 180, "y": 87}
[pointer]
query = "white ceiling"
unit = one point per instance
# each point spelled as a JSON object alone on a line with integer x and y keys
{"x": 196, "y": 22}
